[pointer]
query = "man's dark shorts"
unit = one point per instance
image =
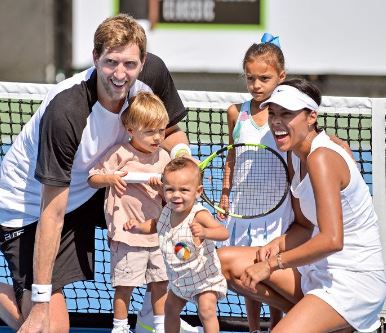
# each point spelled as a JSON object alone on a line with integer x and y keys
{"x": 75, "y": 259}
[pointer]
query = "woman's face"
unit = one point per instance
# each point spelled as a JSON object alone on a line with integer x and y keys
{"x": 290, "y": 128}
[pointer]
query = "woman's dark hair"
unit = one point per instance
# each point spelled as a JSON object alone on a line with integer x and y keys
{"x": 305, "y": 87}
{"x": 309, "y": 89}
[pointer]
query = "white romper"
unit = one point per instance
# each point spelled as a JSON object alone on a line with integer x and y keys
{"x": 258, "y": 231}
{"x": 352, "y": 281}
{"x": 202, "y": 271}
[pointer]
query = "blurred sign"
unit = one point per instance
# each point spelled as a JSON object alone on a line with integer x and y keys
{"x": 210, "y": 11}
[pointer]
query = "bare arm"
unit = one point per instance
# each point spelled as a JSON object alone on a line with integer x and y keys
{"x": 173, "y": 136}
{"x": 327, "y": 183}
{"x": 232, "y": 115}
{"x": 53, "y": 207}
{"x": 147, "y": 227}
{"x": 343, "y": 144}
{"x": 47, "y": 241}
{"x": 113, "y": 180}
{"x": 204, "y": 226}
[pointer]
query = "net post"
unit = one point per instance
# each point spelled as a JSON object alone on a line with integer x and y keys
{"x": 379, "y": 172}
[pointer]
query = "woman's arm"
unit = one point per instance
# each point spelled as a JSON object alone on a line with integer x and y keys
{"x": 327, "y": 182}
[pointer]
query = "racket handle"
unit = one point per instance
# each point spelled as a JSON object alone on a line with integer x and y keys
{"x": 140, "y": 177}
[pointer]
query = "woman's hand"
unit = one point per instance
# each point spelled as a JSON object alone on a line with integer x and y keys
{"x": 269, "y": 250}
{"x": 255, "y": 274}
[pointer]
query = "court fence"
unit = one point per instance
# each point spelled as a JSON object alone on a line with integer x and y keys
{"x": 357, "y": 120}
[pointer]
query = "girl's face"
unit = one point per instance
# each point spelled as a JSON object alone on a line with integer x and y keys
{"x": 181, "y": 189}
{"x": 147, "y": 140}
{"x": 290, "y": 128}
{"x": 262, "y": 78}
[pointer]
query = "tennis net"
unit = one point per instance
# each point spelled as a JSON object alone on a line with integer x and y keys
{"x": 358, "y": 121}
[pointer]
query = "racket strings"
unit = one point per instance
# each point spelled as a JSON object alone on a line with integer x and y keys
{"x": 259, "y": 182}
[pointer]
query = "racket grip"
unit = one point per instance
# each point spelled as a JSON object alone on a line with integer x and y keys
{"x": 140, "y": 177}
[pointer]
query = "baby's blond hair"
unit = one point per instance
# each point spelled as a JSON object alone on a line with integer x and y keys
{"x": 145, "y": 110}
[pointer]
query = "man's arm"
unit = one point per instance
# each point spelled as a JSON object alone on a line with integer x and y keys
{"x": 173, "y": 136}
{"x": 47, "y": 240}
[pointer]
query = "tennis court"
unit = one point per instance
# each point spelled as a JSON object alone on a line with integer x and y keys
{"x": 356, "y": 120}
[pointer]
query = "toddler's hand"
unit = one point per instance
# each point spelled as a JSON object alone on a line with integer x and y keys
{"x": 131, "y": 224}
{"x": 155, "y": 183}
{"x": 117, "y": 183}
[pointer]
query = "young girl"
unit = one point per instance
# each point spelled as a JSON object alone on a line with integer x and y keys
{"x": 135, "y": 259}
{"x": 330, "y": 260}
{"x": 263, "y": 66}
{"x": 187, "y": 232}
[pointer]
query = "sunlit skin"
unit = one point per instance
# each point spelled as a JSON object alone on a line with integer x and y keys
{"x": 118, "y": 69}
{"x": 292, "y": 130}
{"x": 147, "y": 140}
{"x": 261, "y": 79}
{"x": 181, "y": 190}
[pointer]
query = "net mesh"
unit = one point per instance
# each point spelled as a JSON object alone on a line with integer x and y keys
{"x": 206, "y": 127}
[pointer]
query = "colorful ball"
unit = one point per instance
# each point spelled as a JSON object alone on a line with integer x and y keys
{"x": 182, "y": 251}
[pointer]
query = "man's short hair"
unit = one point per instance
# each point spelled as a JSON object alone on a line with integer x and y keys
{"x": 118, "y": 31}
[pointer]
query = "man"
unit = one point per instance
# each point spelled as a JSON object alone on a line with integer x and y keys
{"x": 43, "y": 188}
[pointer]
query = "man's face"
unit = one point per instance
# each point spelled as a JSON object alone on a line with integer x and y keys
{"x": 117, "y": 70}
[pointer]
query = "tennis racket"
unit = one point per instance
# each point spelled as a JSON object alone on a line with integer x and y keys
{"x": 260, "y": 181}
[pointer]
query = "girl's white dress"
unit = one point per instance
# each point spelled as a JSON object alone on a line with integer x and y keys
{"x": 258, "y": 231}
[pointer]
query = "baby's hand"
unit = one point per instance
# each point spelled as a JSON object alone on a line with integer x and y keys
{"x": 131, "y": 224}
{"x": 197, "y": 230}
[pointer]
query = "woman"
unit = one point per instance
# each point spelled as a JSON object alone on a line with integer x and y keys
{"x": 330, "y": 260}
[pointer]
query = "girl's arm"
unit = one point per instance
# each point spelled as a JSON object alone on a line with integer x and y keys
{"x": 232, "y": 115}
{"x": 204, "y": 226}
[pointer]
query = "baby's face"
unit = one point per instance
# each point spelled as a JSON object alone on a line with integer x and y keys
{"x": 181, "y": 189}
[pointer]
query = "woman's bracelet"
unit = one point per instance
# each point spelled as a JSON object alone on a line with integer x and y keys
{"x": 41, "y": 293}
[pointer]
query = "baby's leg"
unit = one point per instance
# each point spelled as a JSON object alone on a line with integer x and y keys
{"x": 207, "y": 305}
{"x": 173, "y": 308}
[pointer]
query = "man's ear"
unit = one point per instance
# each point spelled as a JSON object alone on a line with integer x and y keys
{"x": 143, "y": 61}
{"x": 94, "y": 57}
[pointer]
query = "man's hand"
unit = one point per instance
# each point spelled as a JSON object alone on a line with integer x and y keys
{"x": 38, "y": 319}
